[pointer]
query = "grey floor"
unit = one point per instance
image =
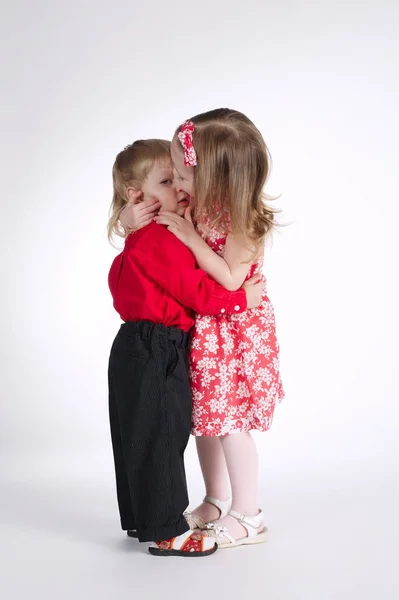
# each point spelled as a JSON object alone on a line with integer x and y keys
{"x": 332, "y": 536}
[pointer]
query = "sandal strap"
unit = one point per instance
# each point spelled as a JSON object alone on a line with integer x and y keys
{"x": 213, "y": 530}
{"x": 222, "y": 505}
{"x": 194, "y": 522}
{"x": 251, "y": 524}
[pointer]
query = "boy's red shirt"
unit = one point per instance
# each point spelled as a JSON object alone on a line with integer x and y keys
{"x": 156, "y": 279}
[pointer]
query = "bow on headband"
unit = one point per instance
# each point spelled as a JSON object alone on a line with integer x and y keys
{"x": 185, "y": 136}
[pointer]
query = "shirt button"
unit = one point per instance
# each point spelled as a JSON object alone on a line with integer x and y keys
{"x": 223, "y": 310}
{"x": 236, "y": 307}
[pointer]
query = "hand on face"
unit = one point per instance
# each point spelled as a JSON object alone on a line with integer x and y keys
{"x": 158, "y": 192}
{"x": 182, "y": 228}
{"x": 138, "y": 212}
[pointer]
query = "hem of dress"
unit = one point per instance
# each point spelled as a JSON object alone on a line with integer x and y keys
{"x": 252, "y": 427}
{"x": 246, "y": 430}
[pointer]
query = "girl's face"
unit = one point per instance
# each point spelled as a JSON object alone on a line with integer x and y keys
{"x": 184, "y": 176}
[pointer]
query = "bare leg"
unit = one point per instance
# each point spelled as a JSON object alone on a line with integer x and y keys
{"x": 215, "y": 474}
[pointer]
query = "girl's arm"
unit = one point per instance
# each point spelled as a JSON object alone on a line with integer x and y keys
{"x": 138, "y": 213}
{"x": 231, "y": 270}
{"x": 172, "y": 267}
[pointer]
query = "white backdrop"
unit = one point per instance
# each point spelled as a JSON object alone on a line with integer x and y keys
{"x": 80, "y": 80}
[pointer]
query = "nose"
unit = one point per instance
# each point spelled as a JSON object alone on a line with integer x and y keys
{"x": 176, "y": 181}
{"x": 181, "y": 195}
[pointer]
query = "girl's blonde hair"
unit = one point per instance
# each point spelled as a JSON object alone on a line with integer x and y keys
{"x": 131, "y": 168}
{"x": 233, "y": 166}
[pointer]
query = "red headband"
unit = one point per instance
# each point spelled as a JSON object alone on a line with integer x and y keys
{"x": 185, "y": 136}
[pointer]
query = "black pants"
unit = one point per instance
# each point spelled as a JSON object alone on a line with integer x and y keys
{"x": 150, "y": 416}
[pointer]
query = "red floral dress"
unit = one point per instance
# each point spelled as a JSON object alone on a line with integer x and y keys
{"x": 234, "y": 364}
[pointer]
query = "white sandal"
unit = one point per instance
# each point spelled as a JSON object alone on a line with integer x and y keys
{"x": 197, "y": 523}
{"x": 251, "y": 524}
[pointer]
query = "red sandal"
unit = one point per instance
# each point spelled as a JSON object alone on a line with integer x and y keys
{"x": 191, "y": 543}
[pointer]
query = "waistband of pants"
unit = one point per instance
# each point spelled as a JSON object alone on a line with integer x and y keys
{"x": 148, "y": 328}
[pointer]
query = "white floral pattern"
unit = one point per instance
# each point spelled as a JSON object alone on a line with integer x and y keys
{"x": 234, "y": 364}
{"x": 185, "y": 136}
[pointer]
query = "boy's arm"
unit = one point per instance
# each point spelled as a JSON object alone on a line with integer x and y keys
{"x": 172, "y": 266}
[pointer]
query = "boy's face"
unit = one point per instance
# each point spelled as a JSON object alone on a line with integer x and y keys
{"x": 161, "y": 185}
{"x": 184, "y": 176}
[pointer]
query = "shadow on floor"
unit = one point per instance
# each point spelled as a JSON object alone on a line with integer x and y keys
{"x": 69, "y": 510}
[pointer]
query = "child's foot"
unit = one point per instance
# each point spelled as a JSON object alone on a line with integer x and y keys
{"x": 132, "y": 533}
{"x": 237, "y": 530}
{"x": 206, "y": 512}
{"x": 190, "y": 543}
{"x": 210, "y": 510}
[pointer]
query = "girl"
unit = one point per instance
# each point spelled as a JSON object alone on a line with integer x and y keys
{"x": 221, "y": 161}
{"x": 155, "y": 286}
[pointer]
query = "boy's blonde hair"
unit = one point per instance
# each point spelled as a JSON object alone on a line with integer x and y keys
{"x": 233, "y": 166}
{"x": 131, "y": 168}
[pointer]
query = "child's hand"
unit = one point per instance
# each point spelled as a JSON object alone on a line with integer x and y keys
{"x": 254, "y": 290}
{"x": 182, "y": 228}
{"x": 136, "y": 214}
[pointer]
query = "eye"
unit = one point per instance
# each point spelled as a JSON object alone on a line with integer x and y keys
{"x": 167, "y": 181}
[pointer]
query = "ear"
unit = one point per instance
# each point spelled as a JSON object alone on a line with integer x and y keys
{"x": 133, "y": 196}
